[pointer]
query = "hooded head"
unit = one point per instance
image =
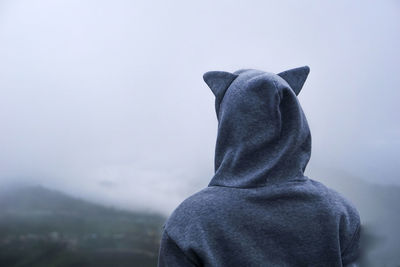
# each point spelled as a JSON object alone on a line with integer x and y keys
{"x": 263, "y": 135}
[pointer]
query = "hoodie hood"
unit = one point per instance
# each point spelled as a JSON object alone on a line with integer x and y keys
{"x": 263, "y": 135}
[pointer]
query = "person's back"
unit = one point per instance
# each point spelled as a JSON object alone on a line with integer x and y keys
{"x": 259, "y": 209}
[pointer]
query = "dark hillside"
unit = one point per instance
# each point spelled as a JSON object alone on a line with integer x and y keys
{"x": 41, "y": 227}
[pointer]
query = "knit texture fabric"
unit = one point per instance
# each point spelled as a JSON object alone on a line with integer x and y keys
{"x": 259, "y": 209}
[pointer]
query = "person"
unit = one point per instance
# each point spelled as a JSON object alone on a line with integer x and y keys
{"x": 259, "y": 208}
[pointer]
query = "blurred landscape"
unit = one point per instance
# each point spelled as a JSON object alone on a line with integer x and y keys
{"x": 42, "y": 227}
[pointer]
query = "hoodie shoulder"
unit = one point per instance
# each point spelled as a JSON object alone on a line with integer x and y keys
{"x": 349, "y": 222}
{"x": 190, "y": 212}
{"x": 187, "y": 225}
{"x": 337, "y": 202}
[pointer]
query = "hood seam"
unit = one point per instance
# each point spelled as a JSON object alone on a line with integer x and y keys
{"x": 276, "y": 183}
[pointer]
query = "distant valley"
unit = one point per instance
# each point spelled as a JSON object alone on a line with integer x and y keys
{"x": 42, "y": 227}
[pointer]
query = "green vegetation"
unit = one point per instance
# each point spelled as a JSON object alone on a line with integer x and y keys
{"x": 40, "y": 227}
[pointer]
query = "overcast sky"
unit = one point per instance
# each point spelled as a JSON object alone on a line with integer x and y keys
{"x": 105, "y": 99}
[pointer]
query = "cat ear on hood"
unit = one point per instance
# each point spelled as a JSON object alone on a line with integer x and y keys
{"x": 219, "y": 81}
{"x": 296, "y": 77}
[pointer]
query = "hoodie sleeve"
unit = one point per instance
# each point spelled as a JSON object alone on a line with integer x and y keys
{"x": 352, "y": 251}
{"x": 170, "y": 255}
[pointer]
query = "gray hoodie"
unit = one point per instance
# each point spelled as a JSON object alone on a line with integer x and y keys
{"x": 259, "y": 209}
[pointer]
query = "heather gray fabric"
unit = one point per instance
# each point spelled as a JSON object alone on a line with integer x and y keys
{"x": 259, "y": 209}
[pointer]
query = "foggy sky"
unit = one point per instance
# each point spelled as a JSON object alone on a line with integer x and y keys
{"x": 105, "y": 99}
